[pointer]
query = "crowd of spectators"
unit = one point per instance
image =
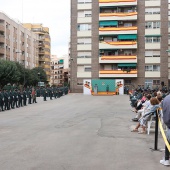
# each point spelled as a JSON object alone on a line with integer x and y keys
{"x": 147, "y": 103}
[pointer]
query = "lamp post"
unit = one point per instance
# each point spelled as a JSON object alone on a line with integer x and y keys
{"x": 39, "y": 79}
{"x": 23, "y": 64}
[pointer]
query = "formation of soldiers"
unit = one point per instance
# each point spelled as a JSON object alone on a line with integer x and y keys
{"x": 18, "y": 98}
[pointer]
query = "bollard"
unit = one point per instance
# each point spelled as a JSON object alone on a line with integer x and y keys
{"x": 156, "y": 134}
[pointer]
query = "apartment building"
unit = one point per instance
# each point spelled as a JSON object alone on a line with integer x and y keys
{"x": 120, "y": 39}
{"x": 59, "y": 71}
{"x": 44, "y": 46}
{"x": 17, "y": 43}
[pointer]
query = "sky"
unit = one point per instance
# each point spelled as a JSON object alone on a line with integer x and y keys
{"x": 54, "y": 14}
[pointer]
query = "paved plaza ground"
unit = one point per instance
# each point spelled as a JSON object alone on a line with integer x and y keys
{"x": 75, "y": 132}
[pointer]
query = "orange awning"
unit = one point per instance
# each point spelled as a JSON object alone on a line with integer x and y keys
{"x": 118, "y": 14}
{"x": 118, "y": 29}
{"x": 117, "y": 72}
{"x": 122, "y": 43}
{"x": 110, "y": 1}
{"x": 118, "y": 57}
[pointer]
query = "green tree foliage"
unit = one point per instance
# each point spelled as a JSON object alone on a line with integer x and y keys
{"x": 9, "y": 72}
{"x": 14, "y": 72}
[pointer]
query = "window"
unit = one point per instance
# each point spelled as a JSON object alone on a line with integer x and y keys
{"x": 84, "y": 55}
{"x": 152, "y": 68}
{"x": 84, "y": 27}
{"x": 127, "y": 24}
{"x": 152, "y": 25}
{"x": 84, "y": 1}
{"x": 152, "y": 11}
{"x": 156, "y": 82}
{"x": 84, "y": 41}
{"x": 152, "y": 39}
{"x": 79, "y": 82}
{"x": 87, "y": 68}
{"x": 128, "y": 52}
{"x": 84, "y": 14}
{"x": 152, "y": 53}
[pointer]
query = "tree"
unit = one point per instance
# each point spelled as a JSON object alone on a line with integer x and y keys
{"x": 22, "y": 71}
{"x": 40, "y": 74}
{"x": 9, "y": 72}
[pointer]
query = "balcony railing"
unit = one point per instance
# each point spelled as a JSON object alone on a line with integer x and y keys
{"x": 121, "y": 14}
{"x": 120, "y": 42}
{"x": 42, "y": 51}
{"x": 134, "y": 71}
{"x": 117, "y": 28}
{"x": 112, "y": 1}
{"x": 119, "y": 57}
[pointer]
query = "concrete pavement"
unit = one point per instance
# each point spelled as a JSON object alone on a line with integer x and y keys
{"x": 75, "y": 132}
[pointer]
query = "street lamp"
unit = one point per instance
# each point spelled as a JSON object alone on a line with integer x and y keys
{"x": 24, "y": 67}
{"x": 39, "y": 79}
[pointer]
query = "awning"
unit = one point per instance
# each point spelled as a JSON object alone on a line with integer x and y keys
{"x": 61, "y": 61}
{"x": 127, "y": 65}
{"x": 127, "y": 37}
{"x": 108, "y": 23}
{"x": 153, "y": 35}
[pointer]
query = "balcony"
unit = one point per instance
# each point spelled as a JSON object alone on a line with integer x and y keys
{"x": 41, "y": 51}
{"x": 41, "y": 65}
{"x": 41, "y": 45}
{"x": 117, "y": 2}
{"x": 2, "y": 28}
{"x": 117, "y": 30}
{"x": 118, "y": 59}
{"x": 2, "y": 50}
{"x": 41, "y": 58}
{"x": 118, "y": 16}
{"x": 118, "y": 45}
{"x": 117, "y": 73}
{"x": 2, "y": 38}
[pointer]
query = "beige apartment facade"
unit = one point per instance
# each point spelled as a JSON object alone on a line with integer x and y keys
{"x": 59, "y": 71}
{"x": 17, "y": 43}
{"x": 119, "y": 39}
{"x": 44, "y": 46}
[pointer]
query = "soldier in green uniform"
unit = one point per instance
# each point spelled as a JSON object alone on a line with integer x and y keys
{"x": 45, "y": 95}
{"x": 51, "y": 93}
{"x": 29, "y": 97}
{"x": 24, "y": 98}
{"x": 38, "y": 92}
{"x": 11, "y": 100}
{"x": 6, "y": 100}
{"x": 1, "y": 101}
{"x": 15, "y": 99}
{"x": 19, "y": 99}
{"x": 54, "y": 92}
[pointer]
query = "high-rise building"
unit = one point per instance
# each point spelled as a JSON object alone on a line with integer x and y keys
{"x": 17, "y": 43}
{"x": 44, "y": 46}
{"x": 120, "y": 39}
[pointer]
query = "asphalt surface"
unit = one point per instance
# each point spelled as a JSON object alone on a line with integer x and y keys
{"x": 75, "y": 132}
